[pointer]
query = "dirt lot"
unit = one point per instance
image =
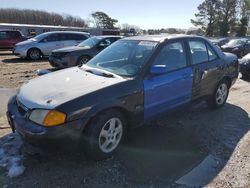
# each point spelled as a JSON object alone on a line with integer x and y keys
{"x": 15, "y": 71}
{"x": 189, "y": 148}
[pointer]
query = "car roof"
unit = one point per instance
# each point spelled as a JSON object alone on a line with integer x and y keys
{"x": 160, "y": 38}
{"x": 108, "y": 36}
{"x": 9, "y": 30}
{"x": 67, "y": 32}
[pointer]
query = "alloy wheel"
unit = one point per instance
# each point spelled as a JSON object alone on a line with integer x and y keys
{"x": 221, "y": 94}
{"x": 110, "y": 135}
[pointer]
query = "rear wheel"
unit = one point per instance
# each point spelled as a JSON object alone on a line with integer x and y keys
{"x": 219, "y": 98}
{"x": 104, "y": 134}
{"x": 34, "y": 54}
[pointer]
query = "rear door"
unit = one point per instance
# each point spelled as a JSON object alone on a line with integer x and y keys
{"x": 172, "y": 89}
{"x": 206, "y": 67}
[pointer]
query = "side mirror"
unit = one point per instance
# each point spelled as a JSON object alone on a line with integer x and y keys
{"x": 158, "y": 69}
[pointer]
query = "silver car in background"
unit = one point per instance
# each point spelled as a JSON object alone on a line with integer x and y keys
{"x": 43, "y": 44}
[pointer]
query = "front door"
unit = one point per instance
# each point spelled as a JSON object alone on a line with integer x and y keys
{"x": 171, "y": 89}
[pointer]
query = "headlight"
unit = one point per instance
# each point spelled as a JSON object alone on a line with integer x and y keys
{"x": 47, "y": 118}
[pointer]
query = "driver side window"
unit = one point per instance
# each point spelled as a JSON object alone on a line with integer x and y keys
{"x": 51, "y": 38}
{"x": 173, "y": 56}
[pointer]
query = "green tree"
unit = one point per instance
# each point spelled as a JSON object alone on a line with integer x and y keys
{"x": 242, "y": 31}
{"x": 208, "y": 16}
{"x": 245, "y": 17}
{"x": 228, "y": 11}
{"x": 102, "y": 20}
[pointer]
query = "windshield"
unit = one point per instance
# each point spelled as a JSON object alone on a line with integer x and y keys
{"x": 39, "y": 37}
{"x": 124, "y": 58}
{"x": 236, "y": 42}
{"x": 90, "y": 42}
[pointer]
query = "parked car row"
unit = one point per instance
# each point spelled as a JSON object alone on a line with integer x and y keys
{"x": 82, "y": 53}
{"x": 239, "y": 47}
{"x": 130, "y": 82}
{"x": 44, "y": 44}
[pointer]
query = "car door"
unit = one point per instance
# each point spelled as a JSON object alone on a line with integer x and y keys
{"x": 206, "y": 66}
{"x": 171, "y": 89}
{"x": 50, "y": 43}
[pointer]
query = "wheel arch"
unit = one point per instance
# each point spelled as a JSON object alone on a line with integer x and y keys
{"x": 228, "y": 79}
{"x": 36, "y": 49}
{"x": 120, "y": 109}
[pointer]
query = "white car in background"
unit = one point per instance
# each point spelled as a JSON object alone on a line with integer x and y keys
{"x": 43, "y": 44}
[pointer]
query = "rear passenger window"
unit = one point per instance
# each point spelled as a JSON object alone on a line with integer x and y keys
{"x": 211, "y": 53}
{"x": 198, "y": 52}
{"x": 81, "y": 37}
{"x": 173, "y": 56}
{"x": 74, "y": 37}
{"x": 3, "y": 35}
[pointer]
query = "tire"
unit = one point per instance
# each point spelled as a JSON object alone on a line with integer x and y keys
{"x": 104, "y": 134}
{"x": 34, "y": 54}
{"x": 83, "y": 60}
{"x": 219, "y": 98}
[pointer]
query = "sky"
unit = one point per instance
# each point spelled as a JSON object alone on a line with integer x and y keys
{"x": 147, "y": 14}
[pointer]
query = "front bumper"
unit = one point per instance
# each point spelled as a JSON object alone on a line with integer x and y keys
{"x": 35, "y": 133}
{"x": 20, "y": 52}
{"x": 58, "y": 62}
{"x": 62, "y": 62}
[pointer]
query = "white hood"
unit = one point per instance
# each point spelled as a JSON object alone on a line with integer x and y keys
{"x": 56, "y": 88}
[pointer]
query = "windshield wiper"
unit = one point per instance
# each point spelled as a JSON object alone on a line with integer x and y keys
{"x": 99, "y": 73}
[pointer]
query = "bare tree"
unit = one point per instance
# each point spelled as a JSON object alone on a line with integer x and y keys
{"x": 38, "y": 17}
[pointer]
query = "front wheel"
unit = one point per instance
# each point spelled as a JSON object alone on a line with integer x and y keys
{"x": 219, "y": 98}
{"x": 34, "y": 54}
{"x": 104, "y": 134}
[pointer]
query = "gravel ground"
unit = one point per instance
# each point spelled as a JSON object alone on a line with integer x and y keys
{"x": 153, "y": 156}
{"x": 15, "y": 71}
